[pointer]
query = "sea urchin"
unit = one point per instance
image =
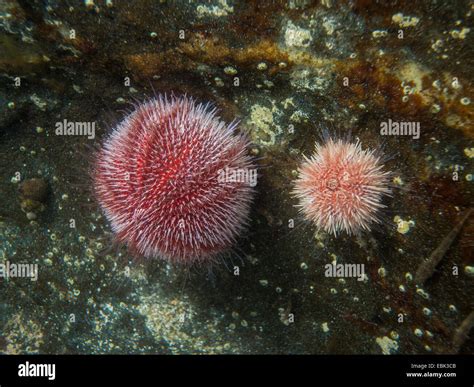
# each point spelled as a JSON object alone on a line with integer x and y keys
{"x": 340, "y": 188}
{"x": 158, "y": 179}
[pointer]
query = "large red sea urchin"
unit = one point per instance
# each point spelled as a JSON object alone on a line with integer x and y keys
{"x": 158, "y": 179}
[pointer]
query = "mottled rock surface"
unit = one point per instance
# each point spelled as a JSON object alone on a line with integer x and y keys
{"x": 287, "y": 70}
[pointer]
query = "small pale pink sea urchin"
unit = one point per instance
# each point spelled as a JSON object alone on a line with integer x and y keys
{"x": 156, "y": 178}
{"x": 341, "y": 186}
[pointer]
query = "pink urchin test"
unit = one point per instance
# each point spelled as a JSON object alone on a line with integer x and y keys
{"x": 341, "y": 187}
{"x": 156, "y": 179}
